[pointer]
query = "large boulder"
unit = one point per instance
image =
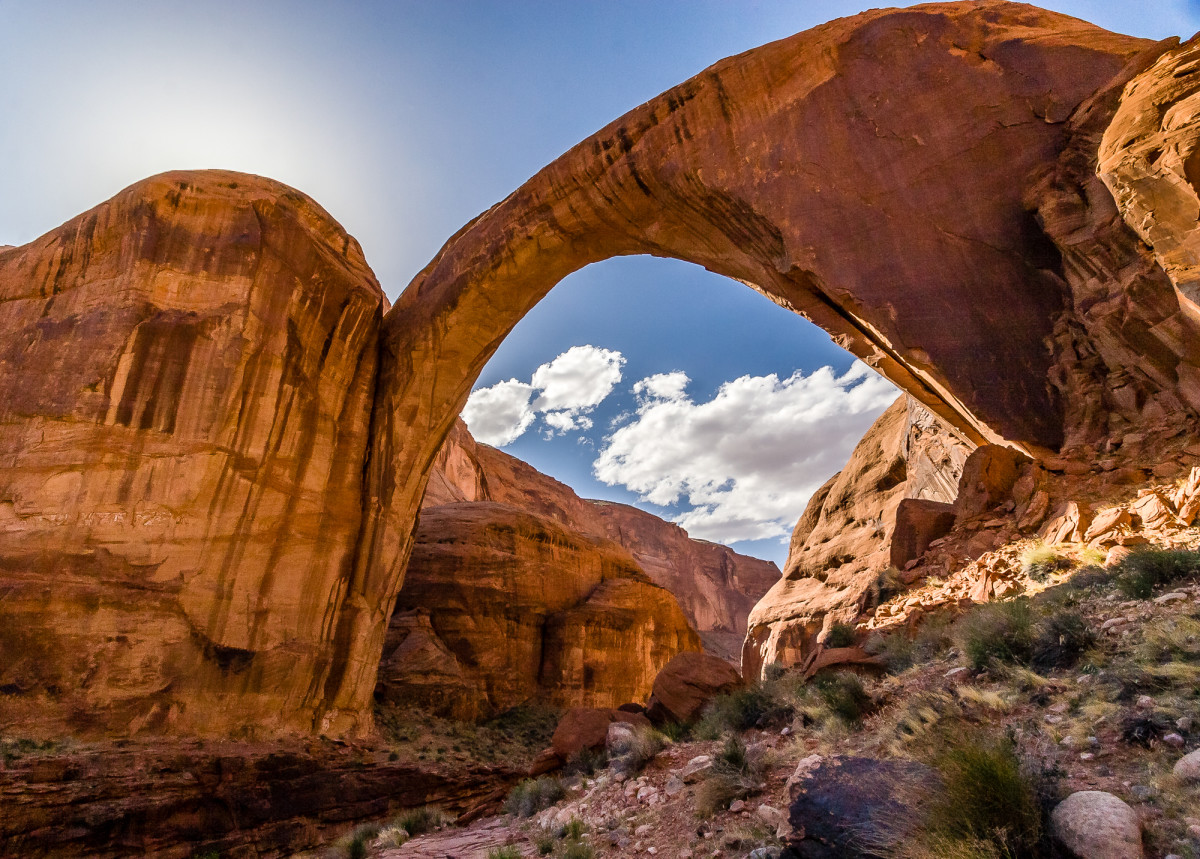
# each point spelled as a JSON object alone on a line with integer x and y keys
{"x": 686, "y": 684}
{"x": 988, "y": 477}
{"x": 1093, "y": 824}
{"x": 501, "y": 606}
{"x": 845, "y": 807}
{"x": 186, "y": 381}
{"x": 587, "y": 728}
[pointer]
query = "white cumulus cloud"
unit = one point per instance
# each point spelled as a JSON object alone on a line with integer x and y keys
{"x": 569, "y": 388}
{"x": 500, "y": 414}
{"x": 748, "y": 460}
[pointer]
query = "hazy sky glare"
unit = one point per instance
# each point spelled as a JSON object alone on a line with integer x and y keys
{"x": 407, "y": 119}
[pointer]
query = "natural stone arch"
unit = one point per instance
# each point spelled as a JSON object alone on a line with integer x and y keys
{"x": 825, "y": 170}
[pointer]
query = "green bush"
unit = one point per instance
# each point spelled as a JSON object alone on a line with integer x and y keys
{"x": 756, "y": 706}
{"x": 841, "y": 635}
{"x": 642, "y": 746}
{"x": 356, "y": 846}
{"x": 533, "y": 795}
{"x": 575, "y": 829}
{"x": 986, "y": 804}
{"x": 897, "y": 651}
{"x": 1060, "y": 639}
{"x": 1144, "y": 569}
{"x": 418, "y": 821}
{"x": 545, "y": 844}
{"x": 1000, "y": 630}
{"x": 586, "y": 762}
{"x": 844, "y": 695}
{"x": 676, "y": 732}
{"x": 578, "y": 850}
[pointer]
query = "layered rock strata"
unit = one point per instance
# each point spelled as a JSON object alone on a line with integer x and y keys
{"x": 716, "y": 587}
{"x": 502, "y": 607}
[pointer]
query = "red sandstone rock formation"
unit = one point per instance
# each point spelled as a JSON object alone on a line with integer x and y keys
{"x": 685, "y": 686}
{"x": 187, "y": 370}
{"x": 715, "y": 586}
{"x": 186, "y": 378}
{"x": 501, "y": 606}
{"x": 843, "y": 541}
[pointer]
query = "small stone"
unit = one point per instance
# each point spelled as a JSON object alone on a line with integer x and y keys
{"x": 770, "y": 814}
{"x": 1184, "y": 723}
{"x": 1086, "y": 756}
{"x": 674, "y": 785}
{"x": 1194, "y": 830}
{"x": 737, "y": 805}
{"x": 1053, "y": 720}
{"x": 1060, "y": 707}
{"x": 1145, "y": 702}
{"x": 1112, "y": 623}
{"x": 1068, "y": 741}
{"x": 1142, "y": 792}
{"x": 643, "y": 830}
{"x": 957, "y": 672}
{"x": 652, "y": 850}
{"x": 1173, "y": 739}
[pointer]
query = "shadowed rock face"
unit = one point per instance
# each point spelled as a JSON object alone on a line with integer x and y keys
{"x": 186, "y": 376}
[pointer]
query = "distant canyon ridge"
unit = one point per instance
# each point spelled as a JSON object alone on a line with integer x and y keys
{"x": 217, "y": 436}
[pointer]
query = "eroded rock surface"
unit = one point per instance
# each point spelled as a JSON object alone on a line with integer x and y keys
{"x": 501, "y": 606}
{"x": 842, "y": 543}
{"x": 186, "y": 379}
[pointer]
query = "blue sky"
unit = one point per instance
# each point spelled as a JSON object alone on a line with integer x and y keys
{"x": 405, "y": 120}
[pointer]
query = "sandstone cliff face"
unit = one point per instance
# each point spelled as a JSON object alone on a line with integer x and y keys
{"x": 186, "y": 376}
{"x": 716, "y": 587}
{"x": 842, "y": 542}
{"x": 501, "y": 606}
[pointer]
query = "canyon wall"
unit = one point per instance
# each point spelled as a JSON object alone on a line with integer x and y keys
{"x": 715, "y": 586}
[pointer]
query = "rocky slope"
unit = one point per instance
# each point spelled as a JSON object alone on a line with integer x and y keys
{"x": 842, "y": 544}
{"x": 715, "y": 586}
{"x": 501, "y": 607}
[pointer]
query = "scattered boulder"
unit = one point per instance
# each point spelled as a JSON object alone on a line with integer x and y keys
{"x": 843, "y": 658}
{"x": 919, "y": 523}
{"x": 1187, "y": 767}
{"x": 1093, "y": 824}
{"x": 1154, "y": 510}
{"x": 846, "y": 807}
{"x": 987, "y": 479}
{"x": 1067, "y": 525}
{"x": 587, "y": 728}
{"x": 1107, "y": 524}
{"x": 686, "y": 684}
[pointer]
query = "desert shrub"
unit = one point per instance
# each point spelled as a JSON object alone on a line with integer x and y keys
{"x": 1040, "y": 561}
{"x": 676, "y": 732}
{"x": 506, "y": 852}
{"x": 735, "y": 774}
{"x": 641, "y": 748}
{"x": 896, "y": 650}
{"x": 356, "y": 843}
{"x": 1060, "y": 639}
{"x": 844, "y": 695}
{"x": 986, "y": 803}
{"x": 533, "y": 795}
{"x": 545, "y": 844}
{"x": 574, "y": 829}
{"x": 1002, "y": 631}
{"x": 1088, "y": 577}
{"x": 578, "y": 850}
{"x": 758, "y": 705}
{"x": 774, "y": 671}
{"x": 586, "y": 762}
{"x": 841, "y": 635}
{"x": 418, "y": 821}
{"x": 1144, "y": 569}
{"x": 391, "y": 836}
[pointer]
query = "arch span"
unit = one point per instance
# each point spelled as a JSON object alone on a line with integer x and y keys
{"x": 867, "y": 174}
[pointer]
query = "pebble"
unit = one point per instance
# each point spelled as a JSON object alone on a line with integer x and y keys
{"x": 1174, "y": 596}
{"x": 955, "y": 672}
{"x": 652, "y": 850}
{"x": 737, "y": 805}
{"x": 1173, "y": 739}
{"x": 1188, "y": 767}
{"x": 1086, "y": 756}
{"x": 643, "y": 830}
{"x": 1145, "y": 702}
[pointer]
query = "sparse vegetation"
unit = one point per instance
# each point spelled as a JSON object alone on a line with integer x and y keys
{"x": 578, "y": 850}
{"x": 1000, "y": 631}
{"x": 418, "y": 821}
{"x": 843, "y": 693}
{"x": 1040, "y": 561}
{"x": 506, "y": 852}
{"x": 532, "y": 795}
{"x": 841, "y": 635}
{"x": 1150, "y": 567}
{"x": 641, "y": 748}
{"x": 758, "y": 705}
{"x": 1060, "y": 639}
{"x": 515, "y": 736}
{"x": 735, "y": 774}
{"x": 356, "y": 843}
{"x": 986, "y": 803}
{"x": 586, "y": 762}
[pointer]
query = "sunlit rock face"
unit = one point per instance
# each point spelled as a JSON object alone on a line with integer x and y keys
{"x": 843, "y": 540}
{"x": 186, "y": 376}
{"x": 501, "y": 607}
{"x": 716, "y": 587}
